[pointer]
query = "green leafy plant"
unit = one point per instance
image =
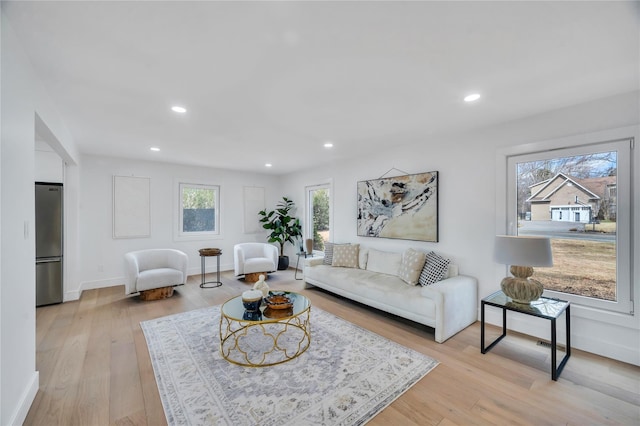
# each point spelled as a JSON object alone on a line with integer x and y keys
{"x": 284, "y": 228}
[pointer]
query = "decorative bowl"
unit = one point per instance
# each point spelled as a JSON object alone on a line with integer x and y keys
{"x": 278, "y": 301}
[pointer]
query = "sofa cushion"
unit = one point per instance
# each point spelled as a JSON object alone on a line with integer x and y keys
{"x": 411, "y": 266}
{"x": 328, "y": 252}
{"x": 380, "y": 290}
{"x": 345, "y": 255}
{"x": 435, "y": 269}
{"x": 384, "y": 262}
{"x": 258, "y": 264}
{"x": 160, "y": 277}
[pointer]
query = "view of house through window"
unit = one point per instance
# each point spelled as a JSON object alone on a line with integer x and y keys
{"x": 573, "y": 201}
{"x": 319, "y": 211}
{"x": 198, "y": 209}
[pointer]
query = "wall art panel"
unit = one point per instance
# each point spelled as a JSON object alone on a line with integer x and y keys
{"x": 403, "y": 207}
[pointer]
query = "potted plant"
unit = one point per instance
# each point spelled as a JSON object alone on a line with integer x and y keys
{"x": 284, "y": 228}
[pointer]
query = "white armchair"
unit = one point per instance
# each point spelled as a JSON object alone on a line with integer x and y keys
{"x": 155, "y": 269}
{"x": 251, "y": 258}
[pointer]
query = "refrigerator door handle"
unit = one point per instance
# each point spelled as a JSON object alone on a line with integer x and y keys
{"x": 49, "y": 260}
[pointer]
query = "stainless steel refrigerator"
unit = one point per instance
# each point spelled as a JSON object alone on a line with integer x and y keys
{"x": 48, "y": 243}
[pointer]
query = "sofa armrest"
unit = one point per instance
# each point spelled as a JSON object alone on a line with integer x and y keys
{"x": 271, "y": 252}
{"x": 456, "y": 301}
{"x": 131, "y": 273}
{"x": 313, "y": 261}
{"x": 238, "y": 261}
{"x": 180, "y": 261}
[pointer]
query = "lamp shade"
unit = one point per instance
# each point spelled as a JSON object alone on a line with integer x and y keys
{"x": 523, "y": 251}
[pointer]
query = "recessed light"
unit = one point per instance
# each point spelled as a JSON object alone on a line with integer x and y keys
{"x": 472, "y": 97}
{"x": 268, "y": 165}
{"x": 179, "y": 109}
{"x": 154, "y": 149}
{"x": 328, "y": 144}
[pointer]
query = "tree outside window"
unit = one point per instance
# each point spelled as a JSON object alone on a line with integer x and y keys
{"x": 198, "y": 209}
{"x": 319, "y": 215}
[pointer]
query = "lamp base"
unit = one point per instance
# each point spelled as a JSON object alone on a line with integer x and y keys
{"x": 522, "y": 290}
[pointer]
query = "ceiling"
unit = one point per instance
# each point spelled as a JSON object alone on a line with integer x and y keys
{"x": 270, "y": 82}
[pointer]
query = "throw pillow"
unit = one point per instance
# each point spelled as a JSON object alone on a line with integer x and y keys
{"x": 346, "y": 256}
{"x": 328, "y": 252}
{"x": 411, "y": 266}
{"x": 384, "y": 262}
{"x": 363, "y": 255}
{"x": 435, "y": 269}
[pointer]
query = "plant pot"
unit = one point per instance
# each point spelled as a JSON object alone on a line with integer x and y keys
{"x": 283, "y": 263}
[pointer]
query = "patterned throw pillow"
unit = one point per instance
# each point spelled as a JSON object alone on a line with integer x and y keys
{"x": 435, "y": 269}
{"x": 411, "y": 266}
{"x": 328, "y": 252}
{"x": 346, "y": 255}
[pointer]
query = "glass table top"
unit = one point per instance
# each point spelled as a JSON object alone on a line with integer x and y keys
{"x": 234, "y": 309}
{"x": 544, "y": 307}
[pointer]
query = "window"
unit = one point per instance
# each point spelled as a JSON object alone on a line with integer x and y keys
{"x": 591, "y": 240}
{"x": 199, "y": 210}
{"x": 319, "y": 215}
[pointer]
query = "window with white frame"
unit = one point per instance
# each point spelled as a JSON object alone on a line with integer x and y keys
{"x": 199, "y": 210}
{"x": 319, "y": 222}
{"x": 564, "y": 194}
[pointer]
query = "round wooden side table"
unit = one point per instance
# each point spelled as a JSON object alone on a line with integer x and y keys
{"x": 204, "y": 253}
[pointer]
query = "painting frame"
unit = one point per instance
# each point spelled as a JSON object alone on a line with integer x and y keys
{"x": 401, "y": 207}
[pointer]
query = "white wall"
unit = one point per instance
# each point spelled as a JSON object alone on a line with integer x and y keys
{"x": 102, "y": 256}
{"x": 49, "y": 167}
{"x": 23, "y": 98}
{"x": 469, "y": 203}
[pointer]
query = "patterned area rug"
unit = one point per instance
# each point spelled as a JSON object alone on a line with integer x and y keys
{"x": 346, "y": 377}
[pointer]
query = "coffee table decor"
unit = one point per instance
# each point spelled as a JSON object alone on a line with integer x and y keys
{"x": 346, "y": 377}
{"x": 279, "y": 335}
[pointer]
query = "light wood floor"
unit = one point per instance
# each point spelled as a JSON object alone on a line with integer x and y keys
{"x": 95, "y": 368}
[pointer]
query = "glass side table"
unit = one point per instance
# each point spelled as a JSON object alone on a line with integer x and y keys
{"x": 300, "y": 254}
{"x": 547, "y": 308}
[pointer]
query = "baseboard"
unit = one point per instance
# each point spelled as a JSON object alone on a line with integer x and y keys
{"x": 71, "y": 295}
{"x": 26, "y": 399}
{"x": 109, "y": 282}
{"x": 92, "y": 285}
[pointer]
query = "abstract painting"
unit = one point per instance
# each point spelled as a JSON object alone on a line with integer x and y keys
{"x": 403, "y": 207}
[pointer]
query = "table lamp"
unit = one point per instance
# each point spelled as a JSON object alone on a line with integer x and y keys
{"x": 522, "y": 253}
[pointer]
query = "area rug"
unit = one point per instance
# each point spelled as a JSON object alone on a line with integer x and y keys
{"x": 346, "y": 377}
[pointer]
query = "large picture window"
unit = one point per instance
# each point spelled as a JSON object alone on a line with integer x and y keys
{"x": 579, "y": 197}
{"x": 199, "y": 210}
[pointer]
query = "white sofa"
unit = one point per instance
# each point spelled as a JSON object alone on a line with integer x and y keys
{"x": 449, "y": 305}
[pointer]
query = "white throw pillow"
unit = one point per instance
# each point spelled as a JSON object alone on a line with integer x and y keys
{"x": 435, "y": 269}
{"x": 411, "y": 266}
{"x": 345, "y": 256}
{"x": 363, "y": 255}
{"x": 384, "y": 262}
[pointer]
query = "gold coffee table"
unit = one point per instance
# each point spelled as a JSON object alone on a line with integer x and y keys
{"x": 265, "y": 337}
